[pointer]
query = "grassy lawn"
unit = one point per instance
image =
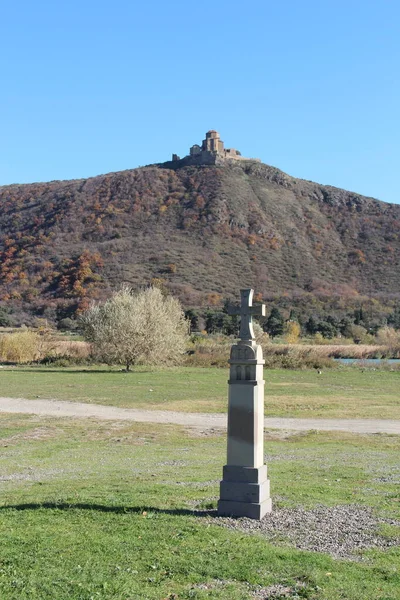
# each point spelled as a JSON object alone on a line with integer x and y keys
{"x": 336, "y": 393}
{"x": 105, "y": 511}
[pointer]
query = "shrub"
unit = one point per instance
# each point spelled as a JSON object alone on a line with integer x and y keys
{"x": 67, "y": 324}
{"x": 359, "y": 334}
{"x": 137, "y": 328}
{"x": 260, "y": 335}
{"x": 292, "y": 332}
{"x": 388, "y": 336}
{"x": 20, "y": 347}
{"x": 295, "y": 357}
{"x": 319, "y": 339}
{"x": 212, "y": 351}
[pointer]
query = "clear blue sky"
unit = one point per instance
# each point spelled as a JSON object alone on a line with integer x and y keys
{"x": 311, "y": 87}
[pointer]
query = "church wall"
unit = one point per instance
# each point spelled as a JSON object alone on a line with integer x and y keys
{"x": 211, "y": 152}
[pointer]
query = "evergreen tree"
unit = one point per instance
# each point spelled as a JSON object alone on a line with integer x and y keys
{"x": 394, "y": 318}
{"x": 192, "y": 315}
{"x": 327, "y": 329}
{"x": 220, "y": 322}
{"x": 5, "y": 320}
{"x": 275, "y": 323}
{"x": 359, "y": 316}
{"x": 345, "y": 327}
{"x": 311, "y": 326}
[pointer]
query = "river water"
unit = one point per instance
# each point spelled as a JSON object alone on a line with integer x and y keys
{"x": 368, "y": 361}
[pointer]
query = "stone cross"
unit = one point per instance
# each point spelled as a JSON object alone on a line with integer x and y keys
{"x": 246, "y": 312}
{"x": 244, "y": 489}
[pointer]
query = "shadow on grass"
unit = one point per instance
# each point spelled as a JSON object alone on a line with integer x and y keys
{"x": 112, "y": 509}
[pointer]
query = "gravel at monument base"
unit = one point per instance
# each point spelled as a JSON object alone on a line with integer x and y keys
{"x": 340, "y": 531}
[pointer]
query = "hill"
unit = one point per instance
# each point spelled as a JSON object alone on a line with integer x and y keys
{"x": 205, "y": 230}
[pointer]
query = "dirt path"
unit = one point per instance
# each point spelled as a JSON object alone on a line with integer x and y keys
{"x": 58, "y": 408}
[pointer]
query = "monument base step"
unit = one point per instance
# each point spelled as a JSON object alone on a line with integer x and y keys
{"x": 245, "y": 474}
{"x": 252, "y": 493}
{"x": 231, "y": 508}
{"x": 244, "y": 492}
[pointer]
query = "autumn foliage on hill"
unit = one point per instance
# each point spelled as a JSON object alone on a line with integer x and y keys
{"x": 204, "y": 232}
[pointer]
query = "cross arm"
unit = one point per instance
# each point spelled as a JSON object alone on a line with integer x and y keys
{"x": 257, "y": 310}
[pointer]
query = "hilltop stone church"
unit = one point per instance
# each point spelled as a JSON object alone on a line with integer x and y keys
{"x": 211, "y": 152}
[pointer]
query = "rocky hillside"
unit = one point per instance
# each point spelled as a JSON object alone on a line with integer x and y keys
{"x": 206, "y": 231}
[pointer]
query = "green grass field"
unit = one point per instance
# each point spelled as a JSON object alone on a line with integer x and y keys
{"x": 337, "y": 393}
{"x": 106, "y": 511}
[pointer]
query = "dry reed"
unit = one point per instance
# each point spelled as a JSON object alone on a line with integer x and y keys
{"x": 20, "y": 347}
{"x": 214, "y": 351}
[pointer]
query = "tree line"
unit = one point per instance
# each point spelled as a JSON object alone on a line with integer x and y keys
{"x": 354, "y": 324}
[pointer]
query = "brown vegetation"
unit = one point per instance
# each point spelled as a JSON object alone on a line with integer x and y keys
{"x": 27, "y": 346}
{"x": 214, "y": 351}
{"x": 205, "y": 231}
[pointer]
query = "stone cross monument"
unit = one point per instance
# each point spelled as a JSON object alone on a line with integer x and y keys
{"x": 244, "y": 489}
